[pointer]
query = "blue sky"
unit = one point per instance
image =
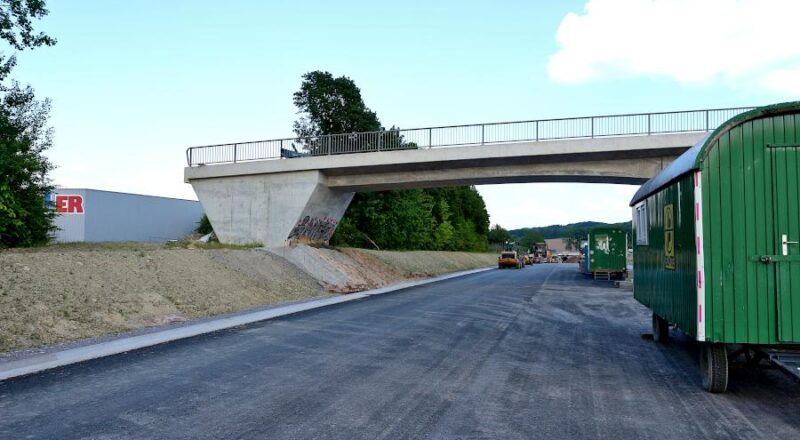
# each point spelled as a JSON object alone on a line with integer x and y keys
{"x": 134, "y": 83}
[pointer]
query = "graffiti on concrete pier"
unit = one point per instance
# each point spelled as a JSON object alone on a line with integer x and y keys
{"x": 314, "y": 228}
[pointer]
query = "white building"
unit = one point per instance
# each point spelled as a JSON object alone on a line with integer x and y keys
{"x": 95, "y": 215}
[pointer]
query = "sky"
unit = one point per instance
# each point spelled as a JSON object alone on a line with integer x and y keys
{"x": 133, "y": 84}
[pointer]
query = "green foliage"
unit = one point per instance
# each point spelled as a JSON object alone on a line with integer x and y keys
{"x": 499, "y": 235}
{"x": 331, "y": 105}
{"x": 529, "y": 240}
{"x": 572, "y": 233}
{"x": 16, "y": 28}
{"x": 24, "y": 136}
{"x": 204, "y": 226}
{"x": 433, "y": 219}
{"x": 428, "y": 219}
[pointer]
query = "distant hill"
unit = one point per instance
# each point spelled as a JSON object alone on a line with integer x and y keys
{"x": 573, "y": 231}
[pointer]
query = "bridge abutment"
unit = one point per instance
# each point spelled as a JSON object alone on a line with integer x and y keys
{"x": 272, "y": 209}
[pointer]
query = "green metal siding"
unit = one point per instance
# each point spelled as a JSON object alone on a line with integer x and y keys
{"x": 785, "y": 166}
{"x": 750, "y": 190}
{"x": 740, "y": 214}
{"x": 612, "y": 259}
{"x": 670, "y": 293}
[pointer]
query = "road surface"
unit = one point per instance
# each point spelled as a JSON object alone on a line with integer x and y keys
{"x": 511, "y": 354}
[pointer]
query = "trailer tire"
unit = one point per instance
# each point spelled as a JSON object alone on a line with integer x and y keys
{"x": 660, "y": 329}
{"x": 714, "y": 367}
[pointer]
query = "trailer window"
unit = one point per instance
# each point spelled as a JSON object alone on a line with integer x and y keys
{"x": 640, "y": 223}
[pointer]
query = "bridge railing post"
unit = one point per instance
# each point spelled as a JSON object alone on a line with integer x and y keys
{"x": 483, "y": 130}
{"x": 593, "y": 127}
{"x": 708, "y": 127}
{"x": 235, "y": 147}
{"x": 648, "y": 123}
{"x": 537, "y": 131}
{"x": 430, "y": 138}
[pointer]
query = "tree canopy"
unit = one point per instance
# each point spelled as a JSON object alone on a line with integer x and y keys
{"x": 529, "y": 240}
{"x": 25, "y": 220}
{"x": 452, "y": 218}
{"x": 331, "y": 105}
{"x": 16, "y": 29}
{"x": 499, "y": 235}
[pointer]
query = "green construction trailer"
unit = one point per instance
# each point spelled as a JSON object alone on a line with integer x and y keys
{"x": 715, "y": 239}
{"x": 604, "y": 256}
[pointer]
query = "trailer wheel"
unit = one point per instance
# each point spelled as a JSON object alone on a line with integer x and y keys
{"x": 714, "y": 367}
{"x": 660, "y": 329}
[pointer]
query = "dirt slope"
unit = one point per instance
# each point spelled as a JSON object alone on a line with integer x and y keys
{"x": 64, "y": 293}
{"x": 55, "y": 296}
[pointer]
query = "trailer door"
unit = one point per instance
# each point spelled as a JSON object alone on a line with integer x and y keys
{"x": 786, "y": 218}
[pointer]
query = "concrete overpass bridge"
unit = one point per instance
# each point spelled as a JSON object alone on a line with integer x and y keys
{"x": 281, "y": 190}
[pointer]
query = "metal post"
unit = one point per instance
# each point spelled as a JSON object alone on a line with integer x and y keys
{"x": 189, "y": 153}
{"x": 483, "y": 129}
{"x": 648, "y": 123}
{"x": 537, "y": 131}
{"x": 234, "y": 152}
{"x": 707, "y": 124}
{"x": 430, "y": 138}
{"x": 280, "y": 152}
{"x": 379, "y": 140}
{"x": 592, "y": 127}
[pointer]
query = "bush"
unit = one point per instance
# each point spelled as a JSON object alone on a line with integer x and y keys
{"x": 204, "y": 226}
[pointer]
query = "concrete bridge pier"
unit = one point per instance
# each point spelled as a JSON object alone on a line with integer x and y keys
{"x": 272, "y": 209}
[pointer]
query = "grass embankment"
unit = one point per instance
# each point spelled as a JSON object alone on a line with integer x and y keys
{"x": 66, "y": 292}
{"x": 73, "y": 291}
{"x": 431, "y": 263}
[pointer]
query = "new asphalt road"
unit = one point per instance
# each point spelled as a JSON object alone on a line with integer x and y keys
{"x": 514, "y": 354}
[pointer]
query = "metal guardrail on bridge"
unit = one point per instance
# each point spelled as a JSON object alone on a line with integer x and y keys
{"x": 464, "y": 135}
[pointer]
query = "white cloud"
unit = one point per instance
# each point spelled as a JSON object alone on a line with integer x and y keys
{"x": 691, "y": 41}
{"x": 783, "y": 81}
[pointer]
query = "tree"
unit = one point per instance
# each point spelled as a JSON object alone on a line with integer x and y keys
{"x": 441, "y": 218}
{"x": 16, "y": 28}
{"x": 530, "y": 239}
{"x": 24, "y": 218}
{"x": 24, "y": 135}
{"x": 499, "y": 235}
{"x": 443, "y": 236}
{"x": 329, "y": 105}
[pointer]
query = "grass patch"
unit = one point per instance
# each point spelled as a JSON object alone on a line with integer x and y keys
{"x": 138, "y": 247}
{"x": 85, "y": 246}
{"x": 188, "y": 244}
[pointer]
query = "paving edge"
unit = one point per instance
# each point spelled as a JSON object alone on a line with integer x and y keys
{"x": 39, "y": 363}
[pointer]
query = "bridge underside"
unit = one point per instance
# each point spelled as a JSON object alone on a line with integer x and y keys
{"x": 280, "y": 201}
{"x": 621, "y": 171}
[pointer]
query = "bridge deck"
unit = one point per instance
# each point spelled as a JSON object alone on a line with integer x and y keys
{"x": 643, "y": 124}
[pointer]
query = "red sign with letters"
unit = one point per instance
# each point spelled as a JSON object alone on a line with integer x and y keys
{"x": 69, "y": 204}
